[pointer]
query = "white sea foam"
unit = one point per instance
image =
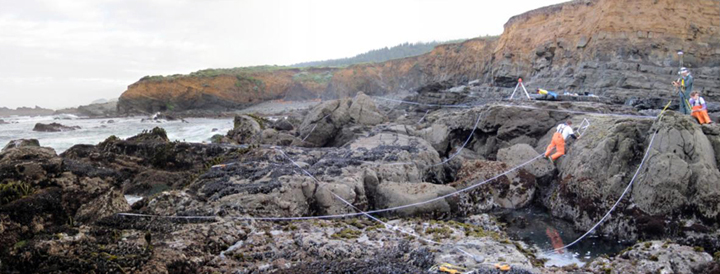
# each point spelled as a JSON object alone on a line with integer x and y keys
{"x": 94, "y": 131}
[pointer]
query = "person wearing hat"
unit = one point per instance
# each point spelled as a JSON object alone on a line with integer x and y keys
{"x": 684, "y": 84}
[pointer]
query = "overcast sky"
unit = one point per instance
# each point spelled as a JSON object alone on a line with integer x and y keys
{"x": 66, "y": 53}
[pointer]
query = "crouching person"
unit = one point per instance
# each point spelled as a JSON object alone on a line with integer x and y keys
{"x": 561, "y": 134}
{"x": 699, "y": 108}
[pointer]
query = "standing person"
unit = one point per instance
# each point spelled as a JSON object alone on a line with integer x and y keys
{"x": 699, "y": 108}
{"x": 684, "y": 85}
{"x": 561, "y": 134}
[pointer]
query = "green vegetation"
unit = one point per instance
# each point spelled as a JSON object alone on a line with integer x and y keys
{"x": 247, "y": 80}
{"x": 20, "y": 244}
{"x": 208, "y": 73}
{"x": 14, "y": 190}
{"x": 320, "y": 78}
{"x": 169, "y": 106}
{"x": 380, "y": 55}
{"x": 347, "y": 233}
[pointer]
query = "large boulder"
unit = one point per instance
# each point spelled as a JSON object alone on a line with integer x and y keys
{"x": 29, "y": 163}
{"x": 513, "y": 190}
{"x": 677, "y": 181}
{"x": 398, "y": 194}
{"x": 712, "y": 132}
{"x": 22, "y": 143}
{"x": 41, "y": 197}
{"x": 53, "y": 127}
{"x": 145, "y": 164}
{"x": 363, "y": 111}
{"x": 595, "y": 170}
{"x": 522, "y": 153}
{"x": 682, "y": 171}
{"x": 246, "y": 129}
{"x": 324, "y": 122}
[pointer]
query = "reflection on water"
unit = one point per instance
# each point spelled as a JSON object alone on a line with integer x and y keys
{"x": 131, "y": 199}
{"x": 536, "y": 227}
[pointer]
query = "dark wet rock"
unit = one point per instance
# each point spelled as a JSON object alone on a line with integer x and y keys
{"x": 682, "y": 171}
{"x": 679, "y": 174}
{"x": 29, "y": 163}
{"x": 53, "y": 127}
{"x": 246, "y": 129}
{"x": 654, "y": 257}
{"x": 712, "y": 132}
{"x": 21, "y": 143}
{"x": 283, "y": 125}
{"x": 514, "y": 190}
{"x": 701, "y": 236}
{"x": 40, "y": 198}
{"x": 157, "y": 134}
{"x": 595, "y": 170}
{"x": 148, "y": 162}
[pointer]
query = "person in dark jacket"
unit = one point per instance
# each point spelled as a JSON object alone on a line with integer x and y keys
{"x": 684, "y": 84}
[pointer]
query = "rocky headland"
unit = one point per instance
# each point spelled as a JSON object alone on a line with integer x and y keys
{"x": 25, "y": 111}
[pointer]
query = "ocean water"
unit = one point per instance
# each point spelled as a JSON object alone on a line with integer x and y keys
{"x": 94, "y": 131}
{"x": 533, "y": 226}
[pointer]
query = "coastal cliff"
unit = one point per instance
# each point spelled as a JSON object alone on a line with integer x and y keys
{"x": 616, "y": 49}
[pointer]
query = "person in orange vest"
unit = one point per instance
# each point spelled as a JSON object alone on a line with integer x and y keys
{"x": 561, "y": 134}
{"x": 699, "y": 108}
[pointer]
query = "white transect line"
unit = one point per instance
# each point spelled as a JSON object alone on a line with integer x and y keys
{"x": 397, "y": 228}
{"x": 424, "y": 104}
{"x": 423, "y": 117}
{"x": 472, "y": 132}
{"x": 647, "y": 152}
{"x": 360, "y": 212}
{"x": 387, "y": 226}
{"x": 582, "y": 112}
{"x": 468, "y": 188}
{"x": 314, "y": 126}
{"x": 521, "y": 106}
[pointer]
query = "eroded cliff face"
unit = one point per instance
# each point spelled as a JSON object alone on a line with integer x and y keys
{"x": 457, "y": 63}
{"x": 222, "y": 91}
{"x": 614, "y": 48}
{"x": 618, "y": 49}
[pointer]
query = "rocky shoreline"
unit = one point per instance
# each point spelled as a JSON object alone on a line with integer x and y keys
{"x": 59, "y": 213}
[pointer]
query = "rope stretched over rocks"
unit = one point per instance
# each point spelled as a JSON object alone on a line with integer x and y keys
{"x": 468, "y": 188}
{"x": 387, "y": 225}
{"x": 472, "y": 132}
{"x": 424, "y": 104}
{"x": 314, "y": 126}
{"x": 627, "y": 188}
{"x": 583, "y": 112}
{"x": 520, "y": 106}
{"x": 423, "y": 117}
{"x": 647, "y": 152}
{"x": 439, "y": 197}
